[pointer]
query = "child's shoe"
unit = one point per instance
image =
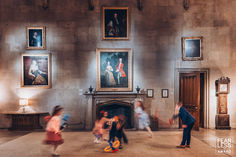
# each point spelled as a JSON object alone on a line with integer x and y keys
{"x": 115, "y": 150}
{"x": 96, "y": 141}
{"x": 180, "y": 146}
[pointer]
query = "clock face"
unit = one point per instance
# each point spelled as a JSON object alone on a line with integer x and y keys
{"x": 223, "y": 88}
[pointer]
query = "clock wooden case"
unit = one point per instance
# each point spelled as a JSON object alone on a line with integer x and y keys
{"x": 222, "y": 89}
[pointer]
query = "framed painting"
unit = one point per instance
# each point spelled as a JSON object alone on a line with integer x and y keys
{"x": 164, "y": 93}
{"x": 150, "y": 93}
{"x": 192, "y": 48}
{"x": 114, "y": 70}
{"x": 115, "y": 23}
{"x": 35, "y": 38}
{"x": 36, "y": 70}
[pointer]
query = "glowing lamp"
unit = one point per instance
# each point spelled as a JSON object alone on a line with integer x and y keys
{"x": 23, "y": 102}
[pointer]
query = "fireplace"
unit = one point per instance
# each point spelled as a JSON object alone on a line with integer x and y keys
{"x": 116, "y": 108}
{"x": 114, "y": 103}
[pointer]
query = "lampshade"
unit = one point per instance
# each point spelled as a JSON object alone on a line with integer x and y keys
{"x": 23, "y": 102}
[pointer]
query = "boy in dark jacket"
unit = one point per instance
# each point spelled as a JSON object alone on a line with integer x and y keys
{"x": 188, "y": 122}
{"x": 117, "y": 130}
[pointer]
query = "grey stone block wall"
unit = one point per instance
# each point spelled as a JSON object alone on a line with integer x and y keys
{"x": 74, "y": 33}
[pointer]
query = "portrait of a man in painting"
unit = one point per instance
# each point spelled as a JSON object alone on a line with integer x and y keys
{"x": 114, "y": 69}
{"x": 36, "y": 70}
{"x": 36, "y": 38}
{"x": 115, "y": 23}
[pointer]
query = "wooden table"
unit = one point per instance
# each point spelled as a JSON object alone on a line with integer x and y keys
{"x": 25, "y": 121}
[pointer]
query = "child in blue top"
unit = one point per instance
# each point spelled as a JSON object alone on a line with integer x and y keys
{"x": 188, "y": 122}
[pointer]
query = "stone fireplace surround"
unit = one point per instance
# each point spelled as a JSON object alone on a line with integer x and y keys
{"x": 96, "y": 100}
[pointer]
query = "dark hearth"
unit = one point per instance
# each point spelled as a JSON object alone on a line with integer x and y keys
{"x": 116, "y": 109}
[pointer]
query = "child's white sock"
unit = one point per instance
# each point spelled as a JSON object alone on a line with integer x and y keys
{"x": 96, "y": 140}
{"x": 54, "y": 150}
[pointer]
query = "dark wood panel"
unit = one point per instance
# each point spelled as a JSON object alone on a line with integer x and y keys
{"x": 21, "y": 121}
{"x": 190, "y": 94}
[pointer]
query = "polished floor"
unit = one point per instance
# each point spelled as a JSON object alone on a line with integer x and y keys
{"x": 205, "y": 143}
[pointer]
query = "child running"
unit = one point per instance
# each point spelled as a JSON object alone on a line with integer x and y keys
{"x": 98, "y": 129}
{"x": 53, "y": 133}
{"x": 143, "y": 118}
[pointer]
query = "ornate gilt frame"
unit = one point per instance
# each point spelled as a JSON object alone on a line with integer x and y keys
{"x": 49, "y": 71}
{"x": 130, "y": 70}
{"x": 184, "y": 46}
{"x": 103, "y": 23}
{"x": 43, "y": 38}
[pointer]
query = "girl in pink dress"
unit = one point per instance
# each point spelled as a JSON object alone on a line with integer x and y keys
{"x": 98, "y": 129}
{"x": 53, "y": 132}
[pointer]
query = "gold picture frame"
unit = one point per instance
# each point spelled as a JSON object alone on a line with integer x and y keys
{"x": 114, "y": 70}
{"x": 192, "y": 48}
{"x": 36, "y": 70}
{"x": 115, "y": 23}
{"x": 35, "y": 37}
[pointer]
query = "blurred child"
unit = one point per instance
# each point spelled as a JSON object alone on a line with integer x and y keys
{"x": 117, "y": 130}
{"x": 98, "y": 129}
{"x": 144, "y": 121}
{"x": 188, "y": 122}
{"x": 53, "y": 133}
{"x": 106, "y": 126}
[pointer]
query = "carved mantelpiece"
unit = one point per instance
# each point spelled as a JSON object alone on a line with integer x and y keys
{"x": 94, "y": 99}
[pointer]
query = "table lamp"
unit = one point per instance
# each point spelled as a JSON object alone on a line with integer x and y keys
{"x": 23, "y": 102}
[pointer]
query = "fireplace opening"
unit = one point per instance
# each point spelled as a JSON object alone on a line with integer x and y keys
{"x": 118, "y": 108}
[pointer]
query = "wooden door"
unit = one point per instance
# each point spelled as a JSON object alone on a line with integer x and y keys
{"x": 190, "y": 94}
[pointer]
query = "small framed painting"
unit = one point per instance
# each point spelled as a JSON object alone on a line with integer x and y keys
{"x": 114, "y": 70}
{"x": 164, "y": 93}
{"x": 192, "y": 48}
{"x": 35, "y": 38}
{"x": 115, "y": 23}
{"x": 36, "y": 70}
{"x": 150, "y": 93}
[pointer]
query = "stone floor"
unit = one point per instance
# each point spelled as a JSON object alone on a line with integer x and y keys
{"x": 79, "y": 144}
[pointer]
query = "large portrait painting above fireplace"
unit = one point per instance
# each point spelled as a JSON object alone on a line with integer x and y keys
{"x": 114, "y": 70}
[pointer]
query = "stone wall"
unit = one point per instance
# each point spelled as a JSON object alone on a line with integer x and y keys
{"x": 74, "y": 33}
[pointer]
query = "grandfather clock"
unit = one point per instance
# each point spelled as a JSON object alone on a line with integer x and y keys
{"x": 222, "y": 90}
